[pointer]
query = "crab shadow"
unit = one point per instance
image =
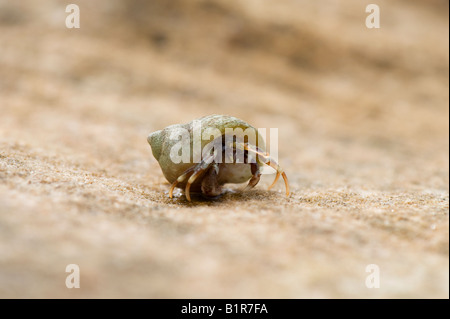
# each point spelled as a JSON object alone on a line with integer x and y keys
{"x": 227, "y": 197}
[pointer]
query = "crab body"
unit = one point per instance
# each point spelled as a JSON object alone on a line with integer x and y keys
{"x": 203, "y": 155}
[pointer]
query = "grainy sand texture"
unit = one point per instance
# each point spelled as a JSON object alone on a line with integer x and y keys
{"x": 362, "y": 118}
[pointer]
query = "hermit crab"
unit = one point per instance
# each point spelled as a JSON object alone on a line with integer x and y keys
{"x": 203, "y": 155}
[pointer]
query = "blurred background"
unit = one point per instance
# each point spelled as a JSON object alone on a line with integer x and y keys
{"x": 363, "y": 134}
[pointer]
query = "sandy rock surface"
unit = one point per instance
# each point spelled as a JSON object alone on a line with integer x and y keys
{"x": 362, "y": 117}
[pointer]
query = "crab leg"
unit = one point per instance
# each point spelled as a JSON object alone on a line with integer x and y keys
{"x": 200, "y": 168}
{"x": 255, "y": 178}
{"x": 196, "y": 170}
{"x": 275, "y": 181}
{"x": 274, "y": 165}
{"x": 271, "y": 162}
{"x": 210, "y": 186}
{"x": 190, "y": 182}
{"x": 180, "y": 179}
